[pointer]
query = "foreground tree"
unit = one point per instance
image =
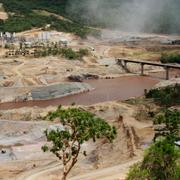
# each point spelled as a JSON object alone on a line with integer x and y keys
{"x": 159, "y": 163}
{"x": 78, "y": 126}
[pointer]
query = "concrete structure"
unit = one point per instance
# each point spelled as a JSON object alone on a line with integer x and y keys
{"x": 167, "y": 67}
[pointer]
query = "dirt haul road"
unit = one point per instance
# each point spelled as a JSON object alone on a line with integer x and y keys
{"x": 111, "y": 173}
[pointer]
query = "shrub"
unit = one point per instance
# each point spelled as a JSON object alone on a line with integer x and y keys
{"x": 83, "y": 52}
{"x": 7, "y": 46}
{"x": 170, "y": 121}
{"x": 137, "y": 173}
{"x": 170, "y": 58}
{"x": 166, "y": 96}
{"x": 161, "y": 160}
{"x": 159, "y": 163}
{"x": 68, "y": 53}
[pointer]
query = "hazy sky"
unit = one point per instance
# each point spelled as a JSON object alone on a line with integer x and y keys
{"x": 131, "y": 15}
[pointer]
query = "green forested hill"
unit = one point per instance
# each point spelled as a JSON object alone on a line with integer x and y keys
{"x": 26, "y": 6}
{"x": 23, "y": 15}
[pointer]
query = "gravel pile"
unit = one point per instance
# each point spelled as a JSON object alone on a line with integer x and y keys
{"x": 170, "y": 82}
{"x": 59, "y": 90}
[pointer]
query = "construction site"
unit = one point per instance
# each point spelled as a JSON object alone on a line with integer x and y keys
{"x": 109, "y": 76}
{"x": 97, "y": 82}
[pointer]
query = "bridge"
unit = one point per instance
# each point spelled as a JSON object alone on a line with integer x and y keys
{"x": 167, "y": 67}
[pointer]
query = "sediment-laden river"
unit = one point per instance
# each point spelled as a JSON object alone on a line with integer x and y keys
{"x": 121, "y": 88}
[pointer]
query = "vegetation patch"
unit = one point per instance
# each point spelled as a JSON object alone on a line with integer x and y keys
{"x": 23, "y": 17}
{"x": 170, "y": 58}
{"x": 67, "y": 53}
{"x": 166, "y": 96}
{"x": 161, "y": 160}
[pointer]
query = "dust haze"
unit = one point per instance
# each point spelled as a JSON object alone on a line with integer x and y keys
{"x": 157, "y": 16}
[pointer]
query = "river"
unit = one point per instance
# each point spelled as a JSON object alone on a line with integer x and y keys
{"x": 121, "y": 88}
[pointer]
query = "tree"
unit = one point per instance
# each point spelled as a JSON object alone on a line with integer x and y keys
{"x": 78, "y": 126}
{"x": 161, "y": 160}
{"x": 159, "y": 163}
{"x": 167, "y": 125}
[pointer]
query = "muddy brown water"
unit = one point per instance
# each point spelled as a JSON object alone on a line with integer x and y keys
{"x": 121, "y": 88}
